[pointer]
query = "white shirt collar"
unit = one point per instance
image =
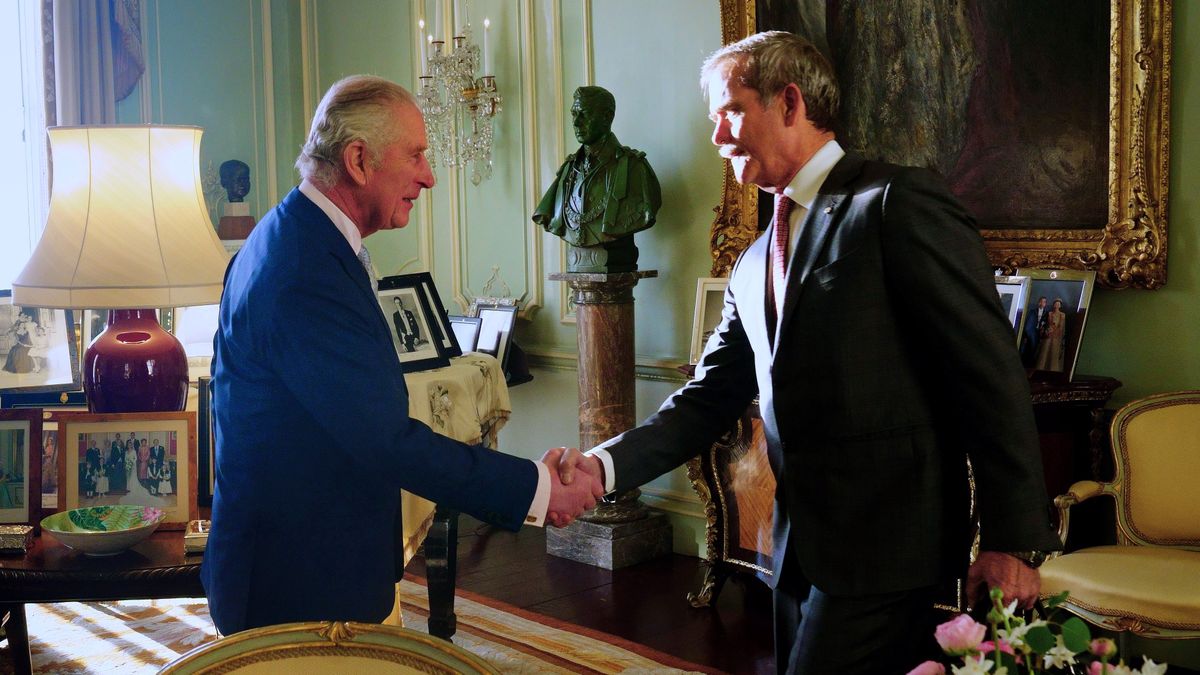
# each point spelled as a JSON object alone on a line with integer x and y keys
{"x": 340, "y": 220}
{"x": 803, "y": 188}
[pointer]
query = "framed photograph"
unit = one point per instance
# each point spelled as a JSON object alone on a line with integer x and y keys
{"x": 496, "y": 324}
{"x": 441, "y": 316}
{"x": 38, "y": 351}
{"x": 414, "y": 329}
{"x": 1013, "y": 291}
{"x": 710, "y": 298}
{"x": 466, "y": 331}
{"x": 49, "y": 466}
{"x": 43, "y": 399}
{"x": 1055, "y": 314}
{"x": 147, "y": 459}
{"x": 20, "y": 466}
{"x": 206, "y": 444}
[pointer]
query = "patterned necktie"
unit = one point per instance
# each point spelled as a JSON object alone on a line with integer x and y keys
{"x": 364, "y": 257}
{"x": 779, "y": 246}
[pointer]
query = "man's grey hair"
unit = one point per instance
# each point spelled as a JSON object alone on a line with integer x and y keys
{"x": 769, "y": 61}
{"x": 358, "y": 107}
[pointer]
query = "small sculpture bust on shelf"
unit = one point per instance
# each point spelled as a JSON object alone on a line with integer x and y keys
{"x": 603, "y": 193}
{"x": 236, "y": 221}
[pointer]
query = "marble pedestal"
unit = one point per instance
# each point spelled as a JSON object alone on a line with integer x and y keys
{"x": 612, "y": 545}
{"x": 619, "y": 531}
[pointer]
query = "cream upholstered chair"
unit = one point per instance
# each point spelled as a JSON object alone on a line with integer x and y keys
{"x": 328, "y": 647}
{"x": 1149, "y": 583}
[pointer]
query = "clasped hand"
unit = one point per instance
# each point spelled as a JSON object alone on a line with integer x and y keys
{"x": 570, "y": 497}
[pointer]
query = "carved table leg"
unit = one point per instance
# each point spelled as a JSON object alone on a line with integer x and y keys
{"x": 710, "y": 587}
{"x": 441, "y": 565}
{"x": 18, "y": 637}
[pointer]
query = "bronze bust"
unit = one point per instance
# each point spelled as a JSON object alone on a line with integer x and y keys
{"x": 236, "y": 221}
{"x": 602, "y": 194}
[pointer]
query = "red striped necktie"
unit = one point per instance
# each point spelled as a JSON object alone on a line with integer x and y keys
{"x": 779, "y": 249}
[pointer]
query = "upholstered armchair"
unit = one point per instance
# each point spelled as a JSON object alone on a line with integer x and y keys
{"x": 1149, "y": 583}
{"x": 329, "y": 647}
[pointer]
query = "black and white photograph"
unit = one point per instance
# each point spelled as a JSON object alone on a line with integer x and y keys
{"x": 409, "y": 319}
{"x": 1012, "y": 290}
{"x": 1055, "y": 314}
{"x": 37, "y": 348}
{"x": 20, "y": 466}
{"x": 466, "y": 331}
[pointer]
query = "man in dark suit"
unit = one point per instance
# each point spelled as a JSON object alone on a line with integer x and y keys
{"x": 1035, "y": 326}
{"x": 310, "y": 401}
{"x": 401, "y": 322}
{"x": 116, "y": 466}
{"x": 873, "y": 337}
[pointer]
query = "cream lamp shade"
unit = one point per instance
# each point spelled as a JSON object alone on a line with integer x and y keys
{"x": 128, "y": 227}
{"x": 127, "y": 231}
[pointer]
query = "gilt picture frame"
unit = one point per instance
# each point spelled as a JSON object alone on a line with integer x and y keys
{"x": 1127, "y": 248}
{"x": 148, "y": 459}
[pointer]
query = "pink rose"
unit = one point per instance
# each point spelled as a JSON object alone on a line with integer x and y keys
{"x": 961, "y": 635}
{"x": 929, "y": 668}
{"x": 1103, "y": 648}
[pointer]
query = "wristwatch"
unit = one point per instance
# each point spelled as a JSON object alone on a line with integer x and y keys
{"x": 1032, "y": 558}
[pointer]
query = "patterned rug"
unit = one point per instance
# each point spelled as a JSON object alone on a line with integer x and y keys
{"x": 139, "y": 636}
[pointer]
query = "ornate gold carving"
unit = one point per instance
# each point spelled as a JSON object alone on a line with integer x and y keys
{"x": 336, "y": 631}
{"x": 1130, "y": 251}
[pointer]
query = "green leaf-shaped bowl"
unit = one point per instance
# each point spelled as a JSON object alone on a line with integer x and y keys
{"x": 103, "y": 530}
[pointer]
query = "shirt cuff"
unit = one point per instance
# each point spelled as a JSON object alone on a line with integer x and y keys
{"x": 541, "y": 497}
{"x": 610, "y": 474}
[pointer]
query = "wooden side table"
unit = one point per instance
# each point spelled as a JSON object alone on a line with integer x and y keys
{"x": 51, "y": 572}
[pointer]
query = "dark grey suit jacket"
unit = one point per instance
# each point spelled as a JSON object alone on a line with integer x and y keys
{"x": 894, "y": 364}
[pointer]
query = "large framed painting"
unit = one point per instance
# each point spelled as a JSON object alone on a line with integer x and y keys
{"x": 1049, "y": 120}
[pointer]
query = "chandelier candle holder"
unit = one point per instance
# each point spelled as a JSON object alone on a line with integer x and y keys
{"x": 458, "y": 105}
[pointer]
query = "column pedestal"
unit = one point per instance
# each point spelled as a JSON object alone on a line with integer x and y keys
{"x": 610, "y": 535}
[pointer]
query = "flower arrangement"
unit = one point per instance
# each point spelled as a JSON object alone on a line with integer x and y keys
{"x": 1017, "y": 646}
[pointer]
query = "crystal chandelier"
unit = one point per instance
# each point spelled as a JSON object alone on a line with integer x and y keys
{"x": 459, "y": 106}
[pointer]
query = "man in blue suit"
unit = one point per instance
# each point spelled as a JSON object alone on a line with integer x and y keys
{"x": 310, "y": 404}
{"x": 866, "y": 322}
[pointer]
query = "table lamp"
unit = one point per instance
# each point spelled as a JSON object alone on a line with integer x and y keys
{"x": 128, "y": 231}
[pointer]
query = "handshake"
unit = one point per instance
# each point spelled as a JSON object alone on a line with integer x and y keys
{"x": 576, "y": 482}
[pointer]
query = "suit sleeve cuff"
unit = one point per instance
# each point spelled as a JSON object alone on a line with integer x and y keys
{"x": 610, "y": 474}
{"x": 541, "y": 497}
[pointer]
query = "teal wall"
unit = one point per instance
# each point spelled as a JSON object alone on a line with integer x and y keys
{"x": 223, "y": 63}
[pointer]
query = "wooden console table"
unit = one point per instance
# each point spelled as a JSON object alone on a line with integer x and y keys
{"x": 1072, "y": 434}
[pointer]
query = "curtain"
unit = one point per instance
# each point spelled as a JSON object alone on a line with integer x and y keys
{"x": 97, "y": 58}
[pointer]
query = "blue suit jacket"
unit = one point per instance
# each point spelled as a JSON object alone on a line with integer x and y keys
{"x": 314, "y": 440}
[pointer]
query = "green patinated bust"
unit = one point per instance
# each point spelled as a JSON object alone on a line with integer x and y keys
{"x": 603, "y": 193}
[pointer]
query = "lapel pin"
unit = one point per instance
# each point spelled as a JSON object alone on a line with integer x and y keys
{"x": 828, "y": 210}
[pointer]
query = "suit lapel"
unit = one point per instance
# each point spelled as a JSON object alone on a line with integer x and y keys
{"x": 820, "y": 223}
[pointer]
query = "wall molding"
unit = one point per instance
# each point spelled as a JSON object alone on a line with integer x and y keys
{"x": 531, "y": 151}
{"x": 655, "y": 370}
{"x": 678, "y": 502}
{"x": 268, "y": 85}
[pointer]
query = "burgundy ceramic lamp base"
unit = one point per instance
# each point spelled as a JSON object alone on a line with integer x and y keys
{"x": 135, "y": 366}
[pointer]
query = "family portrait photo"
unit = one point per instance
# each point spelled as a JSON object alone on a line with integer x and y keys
{"x": 140, "y": 467}
{"x": 37, "y": 349}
